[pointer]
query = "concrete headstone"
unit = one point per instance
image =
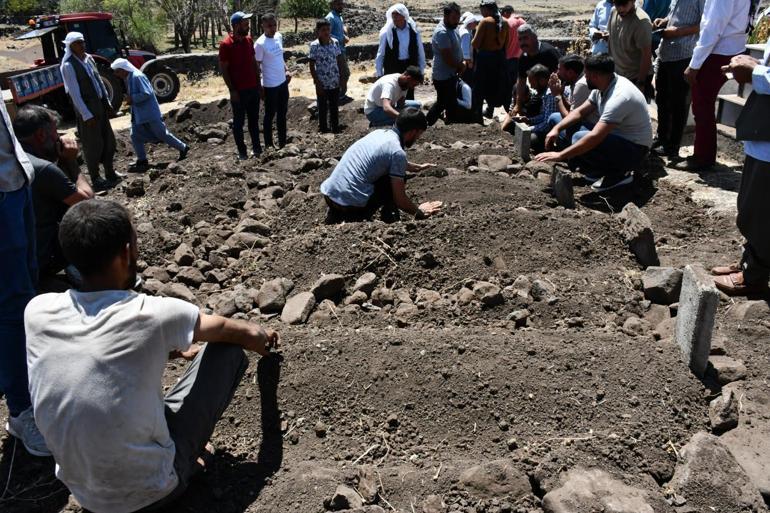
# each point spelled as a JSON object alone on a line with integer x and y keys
{"x": 698, "y": 303}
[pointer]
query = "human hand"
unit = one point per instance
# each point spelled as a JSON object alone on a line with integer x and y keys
{"x": 550, "y": 139}
{"x": 127, "y": 100}
{"x": 430, "y": 208}
{"x": 319, "y": 91}
{"x": 288, "y": 77}
{"x": 660, "y": 22}
{"x": 555, "y": 85}
{"x": 188, "y": 355}
{"x": 670, "y": 33}
{"x": 691, "y": 75}
{"x": 605, "y": 35}
{"x": 549, "y": 156}
{"x": 742, "y": 68}
{"x": 235, "y": 97}
{"x": 68, "y": 148}
{"x": 423, "y": 167}
{"x": 263, "y": 340}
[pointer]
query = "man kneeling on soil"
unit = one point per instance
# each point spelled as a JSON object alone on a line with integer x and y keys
{"x": 372, "y": 174}
{"x": 96, "y": 359}
{"x": 387, "y": 97}
{"x": 620, "y": 141}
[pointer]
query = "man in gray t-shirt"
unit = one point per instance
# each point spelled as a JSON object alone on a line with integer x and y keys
{"x": 96, "y": 358}
{"x": 372, "y": 175}
{"x": 448, "y": 65}
{"x": 618, "y": 144}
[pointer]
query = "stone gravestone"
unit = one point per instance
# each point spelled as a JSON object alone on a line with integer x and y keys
{"x": 695, "y": 320}
{"x": 522, "y": 138}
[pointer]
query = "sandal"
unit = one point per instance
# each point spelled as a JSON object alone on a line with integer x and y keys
{"x": 722, "y": 270}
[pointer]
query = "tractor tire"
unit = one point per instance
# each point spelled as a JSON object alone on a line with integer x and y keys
{"x": 165, "y": 82}
{"x": 114, "y": 86}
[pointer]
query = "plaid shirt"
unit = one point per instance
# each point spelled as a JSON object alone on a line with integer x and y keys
{"x": 683, "y": 13}
{"x": 539, "y": 123}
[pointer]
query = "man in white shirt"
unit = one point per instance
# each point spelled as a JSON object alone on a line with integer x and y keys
{"x": 400, "y": 45}
{"x": 18, "y": 276}
{"x": 96, "y": 358}
{"x": 722, "y": 36}
{"x": 387, "y": 97}
{"x": 597, "y": 27}
{"x": 268, "y": 51}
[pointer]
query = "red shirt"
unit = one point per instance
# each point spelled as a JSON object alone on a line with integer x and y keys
{"x": 239, "y": 55}
{"x": 512, "y": 49}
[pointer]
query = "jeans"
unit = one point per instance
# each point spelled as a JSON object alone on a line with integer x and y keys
{"x": 614, "y": 155}
{"x": 246, "y": 107}
{"x": 753, "y": 213}
{"x": 276, "y": 103}
{"x": 378, "y": 117}
{"x": 329, "y": 107}
{"x": 704, "y": 96}
{"x": 565, "y": 136}
{"x": 673, "y": 99}
{"x": 152, "y": 132}
{"x": 489, "y": 78}
{"x": 18, "y": 276}
{"x": 194, "y": 406}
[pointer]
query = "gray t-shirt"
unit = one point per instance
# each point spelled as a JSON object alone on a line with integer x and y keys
{"x": 624, "y": 105}
{"x": 578, "y": 95}
{"x": 95, "y": 363}
{"x": 444, "y": 38}
{"x": 379, "y": 154}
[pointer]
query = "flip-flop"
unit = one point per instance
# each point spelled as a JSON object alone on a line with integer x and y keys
{"x": 722, "y": 270}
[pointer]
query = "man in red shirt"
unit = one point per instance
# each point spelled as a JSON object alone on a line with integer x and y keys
{"x": 239, "y": 69}
{"x": 512, "y": 53}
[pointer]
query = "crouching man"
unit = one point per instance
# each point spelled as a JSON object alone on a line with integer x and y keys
{"x": 96, "y": 358}
{"x": 618, "y": 144}
{"x": 372, "y": 175}
{"x": 147, "y": 124}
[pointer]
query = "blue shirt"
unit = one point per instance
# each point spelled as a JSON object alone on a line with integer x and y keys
{"x": 444, "y": 38}
{"x": 376, "y": 155}
{"x": 760, "y": 150}
{"x": 338, "y": 28}
{"x": 144, "y": 105}
{"x": 656, "y": 9}
{"x": 599, "y": 22}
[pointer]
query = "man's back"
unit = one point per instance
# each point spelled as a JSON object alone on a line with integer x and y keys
{"x": 623, "y": 104}
{"x": 95, "y": 361}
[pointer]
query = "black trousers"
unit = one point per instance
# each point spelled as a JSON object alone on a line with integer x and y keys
{"x": 329, "y": 107}
{"x": 276, "y": 107}
{"x": 246, "y": 107}
{"x": 446, "y": 102}
{"x": 381, "y": 198}
{"x": 399, "y": 67}
{"x": 753, "y": 217}
{"x": 673, "y": 99}
{"x": 489, "y": 79}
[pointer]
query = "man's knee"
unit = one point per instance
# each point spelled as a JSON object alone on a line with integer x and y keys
{"x": 579, "y": 135}
{"x": 554, "y": 119}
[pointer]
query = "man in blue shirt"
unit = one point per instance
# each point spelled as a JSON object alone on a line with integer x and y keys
{"x": 751, "y": 275}
{"x": 656, "y": 9}
{"x": 597, "y": 27}
{"x": 372, "y": 175}
{"x": 340, "y": 33}
{"x": 147, "y": 124}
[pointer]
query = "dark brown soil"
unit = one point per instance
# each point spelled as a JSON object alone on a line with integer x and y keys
{"x": 453, "y": 385}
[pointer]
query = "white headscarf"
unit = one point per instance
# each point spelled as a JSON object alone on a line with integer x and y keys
{"x": 68, "y": 40}
{"x": 124, "y": 65}
{"x": 389, "y": 25}
{"x": 468, "y": 18}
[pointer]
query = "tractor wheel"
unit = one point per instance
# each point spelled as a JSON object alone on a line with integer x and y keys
{"x": 114, "y": 86}
{"x": 165, "y": 82}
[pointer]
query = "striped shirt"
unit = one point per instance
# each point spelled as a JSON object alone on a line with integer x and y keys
{"x": 539, "y": 123}
{"x": 683, "y": 13}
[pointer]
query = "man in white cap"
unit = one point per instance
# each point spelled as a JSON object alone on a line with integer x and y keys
{"x": 400, "y": 45}
{"x": 147, "y": 124}
{"x": 92, "y": 108}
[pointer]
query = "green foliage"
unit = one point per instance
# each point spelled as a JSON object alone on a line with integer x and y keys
{"x": 25, "y": 6}
{"x": 143, "y": 25}
{"x": 297, "y": 9}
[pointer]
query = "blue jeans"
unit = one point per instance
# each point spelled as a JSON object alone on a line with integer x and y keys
{"x": 378, "y": 117}
{"x": 565, "y": 136}
{"x": 18, "y": 275}
{"x": 276, "y": 102}
{"x": 614, "y": 155}
{"x": 247, "y": 106}
{"x": 152, "y": 132}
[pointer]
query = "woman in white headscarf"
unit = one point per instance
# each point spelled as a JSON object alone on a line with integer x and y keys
{"x": 147, "y": 124}
{"x": 85, "y": 88}
{"x": 400, "y": 44}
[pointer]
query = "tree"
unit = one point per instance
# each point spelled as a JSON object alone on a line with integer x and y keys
{"x": 297, "y": 9}
{"x": 143, "y": 26}
{"x": 184, "y": 15}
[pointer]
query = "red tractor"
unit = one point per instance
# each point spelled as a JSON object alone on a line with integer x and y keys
{"x": 43, "y": 82}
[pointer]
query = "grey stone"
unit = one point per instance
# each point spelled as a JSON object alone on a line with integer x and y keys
{"x": 728, "y": 369}
{"x": 523, "y": 285}
{"x": 636, "y": 326}
{"x": 178, "y": 291}
{"x": 751, "y": 310}
{"x": 190, "y": 276}
{"x": 662, "y": 285}
{"x": 356, "y": 298}
{"x": 562, "y": 186}
{"x": 698, "y": 303}
{"x": 595, "y": 490}
{"x": 427, "y": 296}
{"x": 272, "y": 295}
{"x": 494, "y": 163}
{"x": 495, "y": 479}
{"x": 247, "y": 240}
{"x": 366, "y": 283}
{"x": 156, "y": 273}
{"x": 183, "y": 255}
{"x": 367, "y": 485}
{"x": 406, "y": 310}
{"x": 298, "y": 308}
{"x": 541, "y": 290}
{"x": 750, "y": 444}
{"x": 465, "y": 296}
{"x": 345, "y": 498}
{"x": 383, "y": 296}
{"x": 519, "y": 317}
{"x": 489, "y": 294}
{"x": 328, "y": 286}
{"x": 708, "y": 470}
{"x": 657, "y": 314}
{"x": 224, "y": 304}
{"x": 252, "y": 226}
{"x": 433, "y": 504}
{"x": 638, "y": 234}
{"x": 152, "y": 286}
{"x": 522, "y": 140}
{"x": 723, "y": 412}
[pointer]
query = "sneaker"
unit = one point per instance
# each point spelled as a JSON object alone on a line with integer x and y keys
{"x": 24, "y": 428}
{"x": 255, "y": 154}
{"x": 114, "y": 178}
{"x": 609, "y": 182}
{"x": 139, "y": 166}
{"x": 243, "y": 155}
{"x": 183, "y": 153}
{"x": 100, "y": 184}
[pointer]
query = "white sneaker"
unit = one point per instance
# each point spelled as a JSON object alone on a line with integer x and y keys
{"x": 24, "y": 428}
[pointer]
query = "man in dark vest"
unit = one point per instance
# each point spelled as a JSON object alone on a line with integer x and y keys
{"x": 92, "y": 108}
{"x": 400, "y": 45}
